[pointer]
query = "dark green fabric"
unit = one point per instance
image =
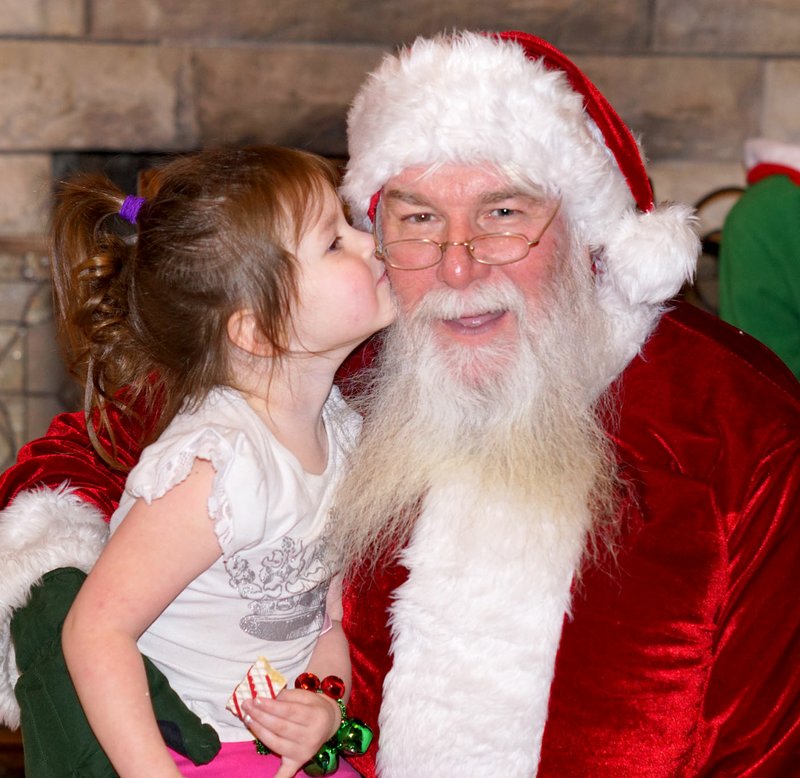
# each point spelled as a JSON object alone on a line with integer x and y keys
{"x": 56, "y": 737}
{"x": 759, "y": 271}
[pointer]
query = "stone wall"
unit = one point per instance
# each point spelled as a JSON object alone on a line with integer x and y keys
{"x": 693, "y": 77}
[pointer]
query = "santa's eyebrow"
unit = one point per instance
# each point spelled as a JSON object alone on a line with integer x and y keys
{"x": 405, "y": 197}
{"x": 489, "y": 198}
{"x": 486, "y": 198}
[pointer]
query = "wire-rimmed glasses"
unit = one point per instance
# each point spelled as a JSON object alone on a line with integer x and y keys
{"x": 494, "y": 248}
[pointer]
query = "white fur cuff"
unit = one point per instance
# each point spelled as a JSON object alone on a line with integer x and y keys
{"x": 40, "y": 531}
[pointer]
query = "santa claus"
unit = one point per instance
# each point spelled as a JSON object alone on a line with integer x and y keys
{"x": 571, "y": 525}
{"x": 578, "y": 508}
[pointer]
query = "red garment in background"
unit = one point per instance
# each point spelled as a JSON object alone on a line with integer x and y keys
{"x": 65, "y": 456}
{"x": 683, "y": 658}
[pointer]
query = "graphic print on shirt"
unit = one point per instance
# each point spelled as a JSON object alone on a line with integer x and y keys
{"x": 287, "y": 595}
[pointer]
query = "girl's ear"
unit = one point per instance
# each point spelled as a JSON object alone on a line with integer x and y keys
{"x": 244, "y": 333}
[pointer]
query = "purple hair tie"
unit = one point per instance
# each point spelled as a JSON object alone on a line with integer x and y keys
{"x": 130, "y": 208}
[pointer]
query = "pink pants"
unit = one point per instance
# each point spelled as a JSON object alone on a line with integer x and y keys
{"x": 241, "y": 760}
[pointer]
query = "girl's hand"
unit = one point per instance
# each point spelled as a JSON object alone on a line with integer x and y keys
{"x": 294, "y": 726}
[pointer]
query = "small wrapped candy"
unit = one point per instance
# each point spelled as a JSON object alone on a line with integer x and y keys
{"x": 261, "y": 680}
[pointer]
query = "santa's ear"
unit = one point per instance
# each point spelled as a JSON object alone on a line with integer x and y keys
{"x": 244, "y": 333}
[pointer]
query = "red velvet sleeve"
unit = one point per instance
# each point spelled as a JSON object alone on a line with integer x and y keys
{"x": 65, "y": 455}
{"x": 682, "y": 659}
{"x": 751, "y": 716}
{"x": 750, "y": 722}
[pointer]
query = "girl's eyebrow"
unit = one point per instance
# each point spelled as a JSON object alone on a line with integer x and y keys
{"x": 328, "y": 222}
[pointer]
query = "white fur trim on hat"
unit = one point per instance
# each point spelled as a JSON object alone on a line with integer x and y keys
{"x": 474, "y": 99}
{"x": 767, "y": 150}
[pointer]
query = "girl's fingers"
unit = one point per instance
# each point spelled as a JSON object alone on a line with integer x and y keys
{"x": 276, "y": 734}
{"x": 288, "y": 769}
{"x": 280, "y": 718}
{"x": 282, "y": 736}
{"x": 294, "y": 728}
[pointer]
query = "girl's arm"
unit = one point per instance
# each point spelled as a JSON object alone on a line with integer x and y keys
{"x": 155, "y": 553}
{"x": 331, "y": 654}
{"x": 297, "y": 723}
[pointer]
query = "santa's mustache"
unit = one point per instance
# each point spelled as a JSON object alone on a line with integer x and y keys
{"x": 482, "y": 297}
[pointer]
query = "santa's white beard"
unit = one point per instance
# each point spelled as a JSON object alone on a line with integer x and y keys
{"x": 492, "y": 465}
{"x": 522, "y": 418}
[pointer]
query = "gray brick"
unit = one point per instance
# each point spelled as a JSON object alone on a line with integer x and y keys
{"x": 73, "y": 95}
{"x": 781, "y": 117}
{"x": 24, "y": 192}
{"x": 205, "y": 19}
{"x": 614, "y": 25}
{"x": 682, "y": 107}
{"x": 294, "y": 95}
{"x": 42, "y": 17}
{"x": 730, "y": 26}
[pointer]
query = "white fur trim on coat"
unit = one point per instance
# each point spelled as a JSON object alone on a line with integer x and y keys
{"x": 475, "y": 631}
{"x": 40, "y": 531}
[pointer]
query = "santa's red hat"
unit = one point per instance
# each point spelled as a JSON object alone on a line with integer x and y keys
{"x": 515, "y": 101}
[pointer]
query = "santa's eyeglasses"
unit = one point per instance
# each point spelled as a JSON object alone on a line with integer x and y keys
{"x": 495, "y": 248}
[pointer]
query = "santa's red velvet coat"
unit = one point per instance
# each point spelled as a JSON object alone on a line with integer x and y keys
{"x": 682, "y": 657}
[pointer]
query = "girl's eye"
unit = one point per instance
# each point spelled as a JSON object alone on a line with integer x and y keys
{"x": 336, "y": 245}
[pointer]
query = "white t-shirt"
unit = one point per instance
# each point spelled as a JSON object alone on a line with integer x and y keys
{"x": 266, "y": 595}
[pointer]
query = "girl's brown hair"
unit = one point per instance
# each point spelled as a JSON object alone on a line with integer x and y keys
{"x": 143, "y": 318}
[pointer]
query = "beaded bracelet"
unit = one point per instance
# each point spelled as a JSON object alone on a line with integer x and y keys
{"x": 353, "y": 736}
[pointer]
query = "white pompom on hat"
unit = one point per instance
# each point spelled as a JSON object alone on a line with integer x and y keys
{"x": 515, "y": 101}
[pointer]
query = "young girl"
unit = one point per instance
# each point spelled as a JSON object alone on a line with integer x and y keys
{"x": 242, "y": 291}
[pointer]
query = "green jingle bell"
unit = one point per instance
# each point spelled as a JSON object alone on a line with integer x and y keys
{"x": 325, "y": 762}
{"x": 354, "y": 737}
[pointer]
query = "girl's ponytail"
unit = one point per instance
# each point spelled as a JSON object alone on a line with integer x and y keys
{"x": 92, "y": 251}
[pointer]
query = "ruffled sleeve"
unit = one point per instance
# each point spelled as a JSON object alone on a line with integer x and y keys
{"x": 238, "y": 490}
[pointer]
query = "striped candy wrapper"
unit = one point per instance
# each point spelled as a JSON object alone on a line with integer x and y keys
{"x": 261, "y": 680}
